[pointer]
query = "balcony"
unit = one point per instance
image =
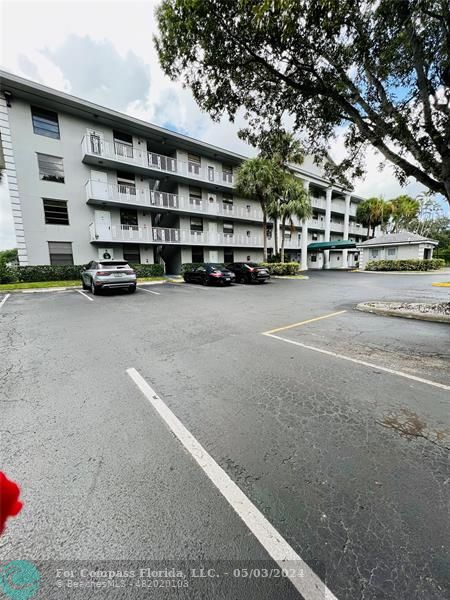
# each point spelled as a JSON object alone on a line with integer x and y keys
{"x": 97, "y": 151}
{"x": 101, "y": 193}
{"x": 166, "y": 235}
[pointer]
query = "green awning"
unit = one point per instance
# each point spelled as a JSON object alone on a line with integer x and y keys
{"x": 335, "y": 245}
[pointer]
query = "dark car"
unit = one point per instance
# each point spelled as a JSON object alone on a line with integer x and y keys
{"x": 249, "y": 272}
{"x": 208, "y": 274}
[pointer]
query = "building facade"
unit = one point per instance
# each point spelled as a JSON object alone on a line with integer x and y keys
{"x": 396, "y": 246}
{"x": 87, "y": 182}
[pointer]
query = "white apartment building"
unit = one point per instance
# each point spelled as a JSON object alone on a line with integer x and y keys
{"x": 87, "y": 182}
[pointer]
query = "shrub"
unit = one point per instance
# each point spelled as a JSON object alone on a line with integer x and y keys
{"x": 64, "y": 272}
{"x": 189, "y": 266}
{"x": 411, "y": 264}
{"x": 290, "y": 268}
{"x": 148, "y": 270}
{"x": 7, "y": 275}
{"x": 48, "y": 272}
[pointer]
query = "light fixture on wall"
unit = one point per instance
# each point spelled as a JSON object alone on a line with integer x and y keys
{"x": 8, "y": 98}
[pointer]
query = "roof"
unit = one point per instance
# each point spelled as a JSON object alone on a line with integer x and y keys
{"x": 36, "y": 93}
{"x": 404, "y": 237}
{"x": 335, "y": 245}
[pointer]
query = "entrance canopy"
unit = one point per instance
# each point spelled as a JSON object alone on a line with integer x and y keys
{"x": 335, "y": 245}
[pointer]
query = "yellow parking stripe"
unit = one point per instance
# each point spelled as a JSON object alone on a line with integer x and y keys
{"x": 340, "y": 312}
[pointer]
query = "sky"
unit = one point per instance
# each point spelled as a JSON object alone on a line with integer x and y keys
{"x": 102, "y": 50}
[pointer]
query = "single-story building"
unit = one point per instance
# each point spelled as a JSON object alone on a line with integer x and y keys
{"x": 396, "y": 246}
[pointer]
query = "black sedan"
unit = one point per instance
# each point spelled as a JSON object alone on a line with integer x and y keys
{"x": 209, "y": 274}
{"x": 249, "y": 272}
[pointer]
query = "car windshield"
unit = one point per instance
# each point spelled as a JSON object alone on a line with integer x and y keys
{"x": 252, "y": 265}
{"x": 218, "y": 267}
{"x": 115, "y": 265}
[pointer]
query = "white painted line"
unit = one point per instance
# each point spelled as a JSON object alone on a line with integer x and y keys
{"x": 4, "y": 300}
{"x": 300, "y": 574}
{"x": 361, "y": 362}
{"x": 85, "y": 295}
{"x": 141, "y": 289}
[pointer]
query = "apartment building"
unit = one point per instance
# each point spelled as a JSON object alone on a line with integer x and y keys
{"x": 88, "y": 182}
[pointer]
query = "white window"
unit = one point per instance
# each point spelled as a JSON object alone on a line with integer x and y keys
{"x": 373, "y": 252}
{"x": 391, "y": 253}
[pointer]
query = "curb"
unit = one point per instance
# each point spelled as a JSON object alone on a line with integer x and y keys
{"x": 293, "y": 277}
{"x": 443, "y": 284}
{"x": 402, "y": 272}
{"x": 386, "y": 312}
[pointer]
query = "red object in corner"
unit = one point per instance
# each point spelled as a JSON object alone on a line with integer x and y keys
{"x": 10, "y": 505}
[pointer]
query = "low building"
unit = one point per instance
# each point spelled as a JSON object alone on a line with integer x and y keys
{"x": 396, "y": 246}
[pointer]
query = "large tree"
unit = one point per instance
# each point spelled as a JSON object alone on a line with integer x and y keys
{"x": 379, "y": 70}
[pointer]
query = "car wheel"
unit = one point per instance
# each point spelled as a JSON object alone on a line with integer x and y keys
{"x": 83, "y": 285}
{"x": 131, "y": 289}
{"x": 94, "y": 290}
{"x": 204, "y": 281}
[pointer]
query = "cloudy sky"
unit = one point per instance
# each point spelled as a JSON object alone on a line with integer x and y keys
{"x": 102, "y": 50}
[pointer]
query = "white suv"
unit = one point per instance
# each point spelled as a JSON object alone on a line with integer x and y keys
{"x": 108, "y": 274}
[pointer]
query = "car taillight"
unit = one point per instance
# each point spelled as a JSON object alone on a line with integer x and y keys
{"x": 251, "y": 269}
{"x": 103, "y": 273}
{"x": 129, "y": 272}
{"x": 216, "y": 274}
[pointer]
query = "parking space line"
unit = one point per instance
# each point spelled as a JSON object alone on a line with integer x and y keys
{"x": 360, "y": 362}
{"x": 4, "y": 300}
{"x": 141, "y": 289}
{"x": 85, "y": 295}
{"x": 299, "y": 573}
{"x": 340, "y": 312}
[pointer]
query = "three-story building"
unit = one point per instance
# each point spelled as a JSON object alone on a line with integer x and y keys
{"x": 88, "y": 182}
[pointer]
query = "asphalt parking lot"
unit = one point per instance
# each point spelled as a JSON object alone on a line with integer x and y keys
{"x": 335, "y": 429}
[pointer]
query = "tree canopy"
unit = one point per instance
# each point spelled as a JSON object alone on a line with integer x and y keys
{"x": 379, "y": 70}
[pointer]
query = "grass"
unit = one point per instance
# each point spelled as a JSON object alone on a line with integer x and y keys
{"x": 28, "y": 285}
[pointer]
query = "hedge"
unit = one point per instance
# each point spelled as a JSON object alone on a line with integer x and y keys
{"x": 148, "y": 270}
{"x": 63, "y": 272}
{"x": 289, "y": 268}
{"x": 189, "y": 266}
{"x": 405, "y": 265}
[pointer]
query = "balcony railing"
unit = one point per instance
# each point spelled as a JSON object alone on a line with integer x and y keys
{"x": 94, "y": 145}
{"x": 166, "y": 235}
{"x": 128, "y": 194}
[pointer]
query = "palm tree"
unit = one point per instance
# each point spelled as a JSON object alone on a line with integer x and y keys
{"x": 282, "y": 148}
{"x": 294, "y": 201}
{"x": 404, "y": 210}
{"x": 373, "y": 212}
{"x": 259, "y": 179}
{"x": 364, "y": 215}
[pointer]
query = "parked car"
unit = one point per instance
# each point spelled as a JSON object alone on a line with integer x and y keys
{"x": 249, "y": 272}
{"x": 208, "y": 274}
{"x": 108, "y": 274}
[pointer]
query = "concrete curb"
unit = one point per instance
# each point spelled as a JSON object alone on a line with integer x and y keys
{"x": 386, "y": 312}
{"x": 292, "y": 277}
{"x": 402, "y": 272}
{"x": 443, "y": 284}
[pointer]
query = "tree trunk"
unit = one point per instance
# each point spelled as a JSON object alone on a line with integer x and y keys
{"x": 275, "y": 235}
{"x": 283, "y": 227}
{"x": 264, "y": 234}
